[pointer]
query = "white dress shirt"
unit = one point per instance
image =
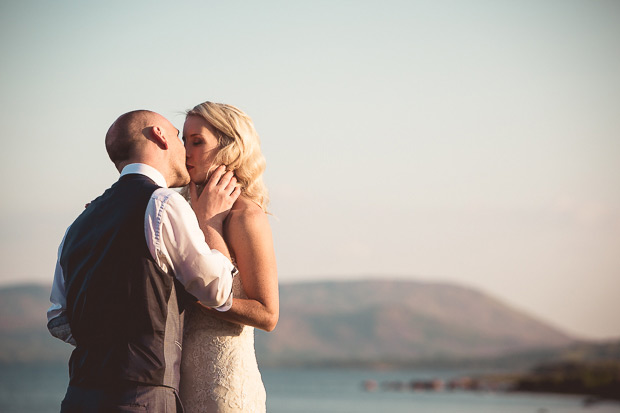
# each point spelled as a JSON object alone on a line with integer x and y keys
{"x": 177, "y": 244}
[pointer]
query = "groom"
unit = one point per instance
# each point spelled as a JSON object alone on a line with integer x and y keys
{"x": 125, "y": 265}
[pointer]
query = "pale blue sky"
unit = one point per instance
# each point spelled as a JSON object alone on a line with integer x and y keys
{"x": 467, "y": 141}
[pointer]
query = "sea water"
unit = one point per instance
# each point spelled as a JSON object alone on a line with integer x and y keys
{"x": 39, "y": 388}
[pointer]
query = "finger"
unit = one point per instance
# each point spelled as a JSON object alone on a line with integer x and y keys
{"x": 193, "y": 192}
{"x": 216, "y": 175}
{"x": 235, "y": 194}
{"x": 231, "y": 185}
{"x": 225, "y": 179}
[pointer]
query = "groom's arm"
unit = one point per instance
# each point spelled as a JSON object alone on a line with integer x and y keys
{"x": 57, "y": 319}
{"x": 213, "y": 205}
{"x": 178, "y": 245}
{"x": 213, "y": 230}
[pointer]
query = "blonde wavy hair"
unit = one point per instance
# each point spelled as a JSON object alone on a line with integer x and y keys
{"x": 239, "y": 148}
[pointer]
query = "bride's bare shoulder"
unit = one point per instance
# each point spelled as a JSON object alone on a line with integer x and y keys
{"x": 244, "y": 212}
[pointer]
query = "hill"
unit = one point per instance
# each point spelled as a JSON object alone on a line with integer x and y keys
{"x": 23, "y": 332}
{"x": 397, "y": 321}
{"x": 335, "y": 322}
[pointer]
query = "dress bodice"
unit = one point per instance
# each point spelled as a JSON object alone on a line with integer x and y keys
{"x": 219, "y": 372}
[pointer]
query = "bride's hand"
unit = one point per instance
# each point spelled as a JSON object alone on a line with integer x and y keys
{"x": 217, "y": 197}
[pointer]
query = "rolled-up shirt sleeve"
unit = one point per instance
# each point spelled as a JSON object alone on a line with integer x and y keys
{"x": 57, "y": 319}
{"x": 178, "y": 245}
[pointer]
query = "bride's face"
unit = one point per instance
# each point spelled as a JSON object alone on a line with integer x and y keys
{"x": 201, "y": 146}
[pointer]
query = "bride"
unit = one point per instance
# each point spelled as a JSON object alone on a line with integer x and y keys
{"x": 219, "y": 372}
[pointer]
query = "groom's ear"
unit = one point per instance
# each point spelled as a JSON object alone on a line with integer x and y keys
{"x": 158, "y": 137}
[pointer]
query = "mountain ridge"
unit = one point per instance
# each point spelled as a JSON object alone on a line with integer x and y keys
{"x": 398, "y": 320}
{"x": 336, "y": 321}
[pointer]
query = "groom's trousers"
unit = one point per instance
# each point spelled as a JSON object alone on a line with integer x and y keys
{"x": 126, "y": 399}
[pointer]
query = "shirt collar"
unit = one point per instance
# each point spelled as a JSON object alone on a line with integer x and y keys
{"x": 147, "y": 170}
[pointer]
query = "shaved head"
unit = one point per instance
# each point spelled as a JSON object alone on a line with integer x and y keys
{"x": 127, "y": 134}
{"x": 143, "y": 136}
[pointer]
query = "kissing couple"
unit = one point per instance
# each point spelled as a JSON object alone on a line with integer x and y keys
{"x": 159, "y": 290}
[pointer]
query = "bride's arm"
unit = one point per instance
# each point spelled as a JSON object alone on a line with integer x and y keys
{"x": 249, "y": 238}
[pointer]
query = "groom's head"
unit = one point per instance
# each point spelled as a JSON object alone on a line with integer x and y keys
{"x": 147, "y": 137}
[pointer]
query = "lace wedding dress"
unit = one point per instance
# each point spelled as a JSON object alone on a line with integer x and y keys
{"x": 219, "y": 373}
